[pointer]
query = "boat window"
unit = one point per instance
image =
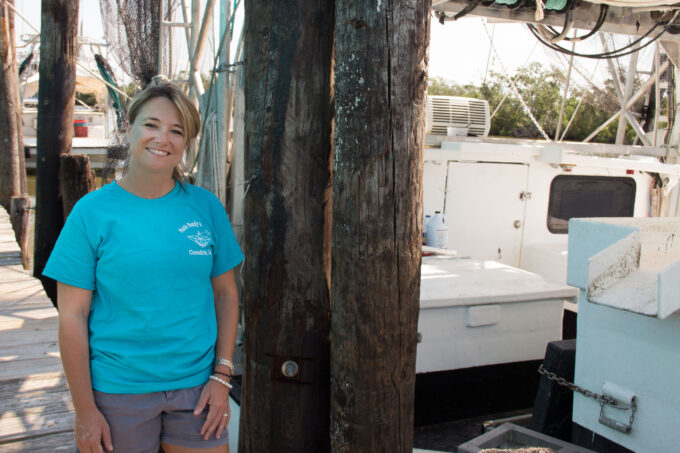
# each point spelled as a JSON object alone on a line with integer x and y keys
{"x": 573, "y": 196}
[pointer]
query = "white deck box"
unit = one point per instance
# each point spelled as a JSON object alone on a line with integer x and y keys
{"x": 475, "y": 313}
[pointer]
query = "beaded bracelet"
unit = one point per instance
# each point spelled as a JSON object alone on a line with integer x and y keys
{"x": 221, "y": 381}
{"x": 225, "y": 362}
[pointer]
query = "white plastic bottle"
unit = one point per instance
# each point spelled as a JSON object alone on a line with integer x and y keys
{"x": 437, "y": 231}
{"x": 425, "y": 222}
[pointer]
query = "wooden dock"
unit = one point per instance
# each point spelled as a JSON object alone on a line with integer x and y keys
{"x": 36, "y": 414}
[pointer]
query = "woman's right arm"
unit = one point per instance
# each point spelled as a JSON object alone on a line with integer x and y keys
{"x": 91, "y": 429}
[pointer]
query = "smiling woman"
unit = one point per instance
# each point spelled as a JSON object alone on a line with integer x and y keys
{"x": 147, "y": 297}
{"x": 162, "y": 122}
{"x": 157, "y": 143}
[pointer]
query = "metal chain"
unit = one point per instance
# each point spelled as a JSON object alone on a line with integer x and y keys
{"x": 603, "y": 399}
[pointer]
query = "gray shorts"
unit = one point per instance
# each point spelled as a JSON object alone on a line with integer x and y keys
{"x": 139, "y": 423}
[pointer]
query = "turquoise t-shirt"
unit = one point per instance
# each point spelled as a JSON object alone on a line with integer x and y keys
{"x": 149, "y": 263}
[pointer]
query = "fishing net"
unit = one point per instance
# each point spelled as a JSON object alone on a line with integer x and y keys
{"x": 132, "y": 28}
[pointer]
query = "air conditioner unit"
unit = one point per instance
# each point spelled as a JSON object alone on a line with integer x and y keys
{"x": 451, "y": 111}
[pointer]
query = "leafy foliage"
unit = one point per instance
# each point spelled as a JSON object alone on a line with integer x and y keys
{"x": 541, "y": 88}
{"x": 89, "y": 99}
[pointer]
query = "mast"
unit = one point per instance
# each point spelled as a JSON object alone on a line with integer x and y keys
{"x": 223, "y": 102}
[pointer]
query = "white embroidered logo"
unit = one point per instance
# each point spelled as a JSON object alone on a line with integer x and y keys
{"x": 197, "y": 233}
{"x": 202, "y": 238}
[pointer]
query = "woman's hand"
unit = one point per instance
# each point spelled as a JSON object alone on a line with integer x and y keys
{"x": 92, "y": 431}
{"x": 216, "y": 396}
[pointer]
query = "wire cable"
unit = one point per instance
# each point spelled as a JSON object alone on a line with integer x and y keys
{"x": 553, "y": 36}
{"x": 604, "y": 9}
{"x": 610, "y": 54}
{"x": 467, "y": 9}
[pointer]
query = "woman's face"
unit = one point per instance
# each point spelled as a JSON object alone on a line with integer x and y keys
{"x": 157, "y": 137}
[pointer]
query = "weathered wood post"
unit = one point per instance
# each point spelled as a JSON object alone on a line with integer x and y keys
{"x": 288, "y": 111}
{"x": 380, "y": 82}
{"x": 13, "y": 188}
{"x": 56, "y": 96}
{"x": 76, "y": 179}
{"x": 10, "y": 168}
{"x": 20, "y": 216}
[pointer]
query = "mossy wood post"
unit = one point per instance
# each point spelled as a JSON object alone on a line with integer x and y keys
{"x": 76, "y": 179}
{"x": 10, "y": 164}
{"x": 380, "y": 82}
{"x": 57, "y": 69}
{"x": 288, "y": 112}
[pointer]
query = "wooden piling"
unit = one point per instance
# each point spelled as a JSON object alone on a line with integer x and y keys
{"x": 58, "y": 53}
{"x": 76, "y": 179}
{"x": 10, "y": 127}
{"x": 380, "y": 92}
{"x": 20, "y": 215}
{"x": 288, "y": 115}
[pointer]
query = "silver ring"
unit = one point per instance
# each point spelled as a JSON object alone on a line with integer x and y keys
{"x": 226, "y": 414}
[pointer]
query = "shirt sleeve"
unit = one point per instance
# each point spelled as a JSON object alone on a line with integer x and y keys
{"x": 227, "y": 251}
{"x": 73, "y": 259}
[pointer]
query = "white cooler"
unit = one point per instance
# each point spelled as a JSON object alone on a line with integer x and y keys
{"x": 475, "y": 313}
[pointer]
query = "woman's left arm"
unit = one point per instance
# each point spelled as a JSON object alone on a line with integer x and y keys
{"x": 215, "y": 394}
{"x": 226, "y": 309}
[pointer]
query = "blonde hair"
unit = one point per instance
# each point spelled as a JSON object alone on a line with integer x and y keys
{"x": 191, "y": 120}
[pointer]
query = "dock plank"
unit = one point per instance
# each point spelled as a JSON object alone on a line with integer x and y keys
{"x": 33, "y": 351}
{"x": 10, "y": 338}
{"x": 36, "y": 412}
{"x": 33, "y": 423}
{"x": 44, "y": 382}
{"x": 41, "y": 444}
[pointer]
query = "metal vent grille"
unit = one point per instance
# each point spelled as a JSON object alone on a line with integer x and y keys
{"x": 451, "y": 111}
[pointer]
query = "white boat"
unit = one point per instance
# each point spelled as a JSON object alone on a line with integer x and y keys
{"x": 93, "y": 125}
{"x": 510, "y": 200}
{"x": 94, "y": 120}
{"x": 499, "y": 294}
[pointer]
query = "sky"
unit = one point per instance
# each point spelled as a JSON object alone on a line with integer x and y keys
{"x": 460, "y": 51}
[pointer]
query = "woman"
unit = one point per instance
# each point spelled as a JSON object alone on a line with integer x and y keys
{"x": 148, "y": 305}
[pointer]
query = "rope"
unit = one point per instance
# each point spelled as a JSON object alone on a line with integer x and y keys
{"x": 514, "y": 88}
{"x": 505, "y": 96}
{"x": 210, "y": 169}
{"x": 209, "y": 97}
